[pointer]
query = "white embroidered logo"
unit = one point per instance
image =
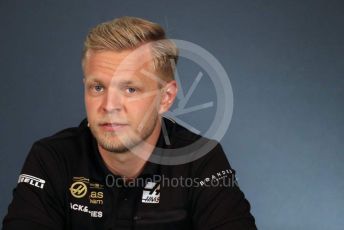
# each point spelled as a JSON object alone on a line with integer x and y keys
{"x": 151, "y": 193}
{"x": 34, "y": 181}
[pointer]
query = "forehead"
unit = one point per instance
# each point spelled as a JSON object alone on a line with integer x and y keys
{"x": 115, "y": 64}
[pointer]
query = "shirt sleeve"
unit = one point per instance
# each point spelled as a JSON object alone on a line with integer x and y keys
{"x": 38, "y": 200}
{"x": 218, "y": 203}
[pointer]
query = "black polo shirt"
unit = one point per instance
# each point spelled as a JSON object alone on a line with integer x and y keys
{"x": 64, "y": 184}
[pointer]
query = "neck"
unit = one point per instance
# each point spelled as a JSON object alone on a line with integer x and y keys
{"x": 131, "y": 163}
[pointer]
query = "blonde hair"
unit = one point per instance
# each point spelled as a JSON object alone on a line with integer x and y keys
{"x": 129, "y": 33}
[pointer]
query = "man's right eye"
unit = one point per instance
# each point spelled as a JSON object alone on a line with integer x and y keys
{"x": 95, "y": 88}
{"x": 98, "y": 88}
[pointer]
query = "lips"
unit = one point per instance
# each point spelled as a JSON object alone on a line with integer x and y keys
{"x": 113, "y": 126}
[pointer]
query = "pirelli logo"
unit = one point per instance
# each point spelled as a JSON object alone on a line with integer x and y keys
{"x": 31, "y": 180}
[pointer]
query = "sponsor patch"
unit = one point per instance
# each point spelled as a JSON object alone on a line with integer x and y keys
{"x": 151, "y": 193}
{"x": 218, "y": 176}
{"x": 78, "y": 189}
{"x": 82, "y": 187}
{"x": 31, "y": 180}
{"x": 85, "y": 209}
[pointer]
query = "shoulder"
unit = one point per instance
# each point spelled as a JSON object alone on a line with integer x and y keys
{"x": 65, "y": 143}
{"x": 179, "y": 135}
{"x": 194, "y": 151}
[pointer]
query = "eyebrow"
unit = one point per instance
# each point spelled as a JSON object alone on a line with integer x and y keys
{"x": 129, "y": 82}
{"x": 121, "y": 83}
{"x": 90, "y": 78}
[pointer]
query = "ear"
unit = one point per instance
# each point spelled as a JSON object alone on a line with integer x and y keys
{"x": 168, "y": 94}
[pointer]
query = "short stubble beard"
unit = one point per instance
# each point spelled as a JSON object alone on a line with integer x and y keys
{"x": 124, "y": 142}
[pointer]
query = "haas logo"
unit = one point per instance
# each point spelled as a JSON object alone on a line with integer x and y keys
{"x": 151, "y": 193}
{"x": 78, "y": 189}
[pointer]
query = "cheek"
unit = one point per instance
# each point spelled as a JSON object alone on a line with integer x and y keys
{"x": 138, "y": 109}
{"x": 91, "y": 105}
{"x": 144, "y": 105}
{"x": 88, "y": 104}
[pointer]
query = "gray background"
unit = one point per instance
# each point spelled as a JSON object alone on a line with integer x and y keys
{"x": 285, "y": 61}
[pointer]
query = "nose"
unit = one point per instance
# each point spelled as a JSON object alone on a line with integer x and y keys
{"x": 112, "y": 101}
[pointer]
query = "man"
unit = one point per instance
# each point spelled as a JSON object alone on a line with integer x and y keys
{"x": 105, "y": 174}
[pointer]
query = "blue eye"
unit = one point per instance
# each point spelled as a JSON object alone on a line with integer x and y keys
{"x": 131, "y": 90}
{"x": 98, "y": 88}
